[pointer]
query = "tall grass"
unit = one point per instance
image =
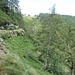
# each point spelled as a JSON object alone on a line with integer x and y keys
{"x": 21, "y": 57}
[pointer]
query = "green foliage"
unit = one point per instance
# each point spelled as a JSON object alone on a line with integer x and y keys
{"x": 5, "y": 35}
{"x": 48, "y": 42}
{"x": 3, "y": 6}
{"x": 56, "y": 40}
{"x": 32, "y": 27}
{"x": 4, "y": 18}
{"x": 21, "y": 57}
{"x": 16, "y": 17}
{"x": 45, "y": 32}
{"x": 9, "y": 15}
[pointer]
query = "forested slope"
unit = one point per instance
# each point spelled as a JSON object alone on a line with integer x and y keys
{"x": 46, "y": 48}
{"x": 54, "y": 41}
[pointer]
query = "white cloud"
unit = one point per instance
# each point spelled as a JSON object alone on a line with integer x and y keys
{"x": 33, "y": 7}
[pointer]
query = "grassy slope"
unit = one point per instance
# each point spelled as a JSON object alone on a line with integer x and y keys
{"x": 26, "y": 58}
{"x": 21, "y": 58}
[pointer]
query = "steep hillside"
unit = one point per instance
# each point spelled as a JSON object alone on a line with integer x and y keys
{"x": 17, "y": 52}
{"x": 21, "y": 59}
{"x": 46, "y": 47}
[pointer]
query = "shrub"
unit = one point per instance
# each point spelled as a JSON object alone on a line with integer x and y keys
{"x": 5, "y": 35}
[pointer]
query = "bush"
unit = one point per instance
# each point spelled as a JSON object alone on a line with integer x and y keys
{"x": 5, "y": 35}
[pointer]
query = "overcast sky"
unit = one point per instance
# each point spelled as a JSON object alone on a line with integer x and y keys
{"x": 34, "y": 7}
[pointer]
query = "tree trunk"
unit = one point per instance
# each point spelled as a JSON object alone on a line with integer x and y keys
{"x": 45, "y": 67}
{"x": 46, "y": 62}
{"x": 72, "y": 68}
{"x": 71, "y": 72}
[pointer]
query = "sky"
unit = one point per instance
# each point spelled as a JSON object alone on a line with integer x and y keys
{"x": 34, "y": 7}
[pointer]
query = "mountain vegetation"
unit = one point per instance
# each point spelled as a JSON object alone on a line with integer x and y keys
{"x": 10, "y": 13}
{"x": 39, "y": 45}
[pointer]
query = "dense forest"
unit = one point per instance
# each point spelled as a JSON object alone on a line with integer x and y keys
{"x": 41, "y": 45}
